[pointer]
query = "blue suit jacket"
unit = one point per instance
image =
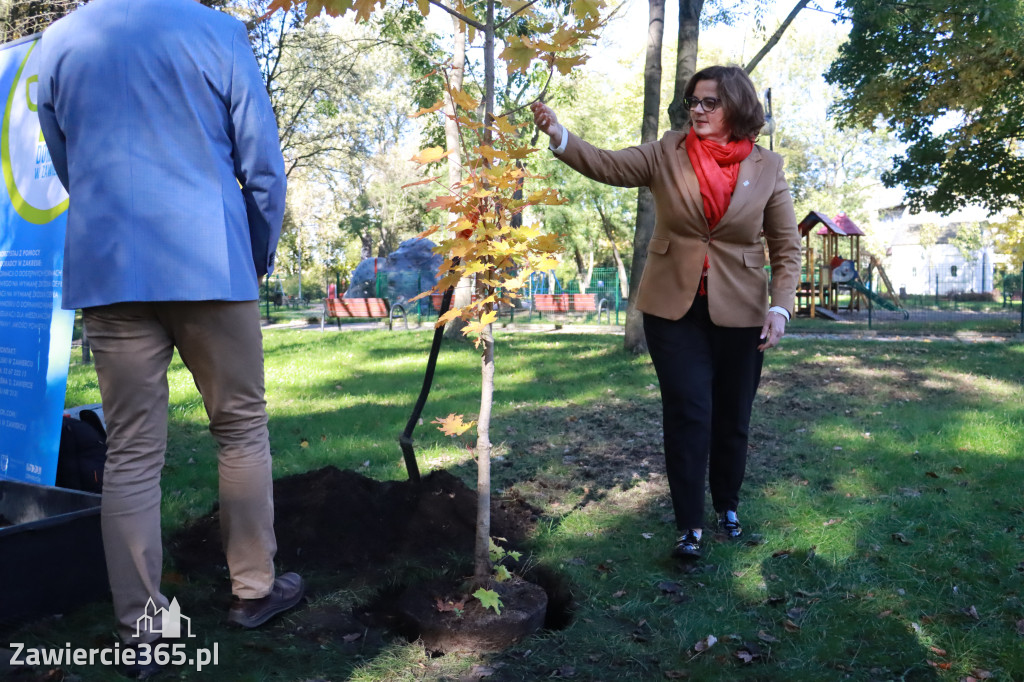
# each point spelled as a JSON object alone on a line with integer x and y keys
{"x": 160, "y": 128}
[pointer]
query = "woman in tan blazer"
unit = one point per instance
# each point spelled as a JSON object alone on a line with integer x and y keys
{"x": 709, "y": 306}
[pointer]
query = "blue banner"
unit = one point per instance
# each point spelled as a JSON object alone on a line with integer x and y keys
{"x": 35, "y": 334}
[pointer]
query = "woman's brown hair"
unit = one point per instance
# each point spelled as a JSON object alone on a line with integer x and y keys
{"x": 743, "y": 112}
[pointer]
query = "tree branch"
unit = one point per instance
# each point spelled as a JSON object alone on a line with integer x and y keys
{"x": 518, "y": 11}
{"x": 458, "y": 15}
{"x": 776, "y": 36}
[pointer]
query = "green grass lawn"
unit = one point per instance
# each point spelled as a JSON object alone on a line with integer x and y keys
{"x": 884, "y": 522}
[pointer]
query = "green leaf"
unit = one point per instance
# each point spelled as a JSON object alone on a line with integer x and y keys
{"x": 490, "y": 599}
{"x": 501, "y": 574}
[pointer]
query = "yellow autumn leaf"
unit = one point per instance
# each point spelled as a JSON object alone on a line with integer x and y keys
{"x": 502, "y": 125}
{"x": 521, "y": 152}
{"x": 460, "y": 247}
{"x": 547, "y": 197}
{"x": 364, "y": 8}
{"x": 518, "y": 54}
{"x": 452, "y": 425}
{"x": 567, "y": 64}
{"x": 587, "y": 9}
{"x": 490, "y": 153}
{"x": 463, "y": 99}
{"x": 428, "y": 110}
{"x": 449, "y": 316}
{"x": 421, "y": 182}
{"x": 546, "y": 242}
{"x": 477, "y": 326}
{"x": 445, "y": 201}
{"x": 423, "y": 6}
{"x": 430, "y": 155}
{"x": 565, "y": 38}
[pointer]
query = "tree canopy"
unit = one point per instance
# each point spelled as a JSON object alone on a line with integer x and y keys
{"x": 948, "y": 78}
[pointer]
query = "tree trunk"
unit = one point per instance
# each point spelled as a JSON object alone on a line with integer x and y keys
{"x": 686, "y": 60}
{"x": 606, "y": 223}
{"x": 634, "y": 340}
{"x": 463, "y": 290}
{"x": 752, "y": 64}
{"x": 481, "y": 552}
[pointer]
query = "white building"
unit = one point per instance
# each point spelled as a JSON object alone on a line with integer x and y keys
{"x": 922, "y": 256}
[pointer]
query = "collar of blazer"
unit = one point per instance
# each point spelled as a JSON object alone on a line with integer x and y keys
{"x": 750, "y": 172}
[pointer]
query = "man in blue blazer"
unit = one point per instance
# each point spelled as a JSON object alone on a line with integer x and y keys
{"x": 159, "y": 126}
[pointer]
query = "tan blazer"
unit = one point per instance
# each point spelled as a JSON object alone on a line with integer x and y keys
{"x": 761, "y": 207}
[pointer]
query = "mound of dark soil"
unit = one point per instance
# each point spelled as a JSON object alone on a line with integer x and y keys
{"x": 335, "y": 520}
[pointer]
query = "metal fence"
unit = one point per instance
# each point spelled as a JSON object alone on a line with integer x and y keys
{"x": 599, "y": 300}
{"x": 945, "y": 304}
{"x": 942, "y": 299}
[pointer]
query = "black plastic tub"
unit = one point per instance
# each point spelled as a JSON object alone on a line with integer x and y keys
{"x": 51, "y": 556}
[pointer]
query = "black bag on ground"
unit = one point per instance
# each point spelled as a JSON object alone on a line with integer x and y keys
{"x": 83, "y": 453}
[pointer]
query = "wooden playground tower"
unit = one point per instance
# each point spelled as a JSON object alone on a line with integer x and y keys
{"x": 817, "y": 293}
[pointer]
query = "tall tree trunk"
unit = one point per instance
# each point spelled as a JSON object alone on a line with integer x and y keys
{"x": 686, "y": 60}
{"x": 464, "y": 289}
{"x": 635, "y": 340}
{"x": 606, "y": 223}
{"x": 481, "y": 552}
{"x": 581, "y": 269}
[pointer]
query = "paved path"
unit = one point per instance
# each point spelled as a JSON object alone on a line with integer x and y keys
{"x": 618, "y": 330}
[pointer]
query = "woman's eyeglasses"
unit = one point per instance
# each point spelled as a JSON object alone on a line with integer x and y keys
{"x": 709, "y": 103}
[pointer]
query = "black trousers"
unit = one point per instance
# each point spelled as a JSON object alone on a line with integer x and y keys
{"x": 708, "y": 376}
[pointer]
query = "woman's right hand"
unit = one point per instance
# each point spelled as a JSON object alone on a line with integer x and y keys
{"x": 546, "y": 121}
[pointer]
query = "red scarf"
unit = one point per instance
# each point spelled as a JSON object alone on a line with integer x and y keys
{"x": 717, "y": 167}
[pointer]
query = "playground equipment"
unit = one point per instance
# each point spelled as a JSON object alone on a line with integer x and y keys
{"x": 822, "y": 280}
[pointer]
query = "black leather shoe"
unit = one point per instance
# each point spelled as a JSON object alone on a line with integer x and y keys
{"x": 731, "y": 529}
{"x": 687, "y": 547}
{"x": 142, "y": 671}
{"x": 287, "y": 591}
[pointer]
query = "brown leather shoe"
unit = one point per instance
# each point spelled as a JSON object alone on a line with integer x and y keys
{"x": 287, "y": 591}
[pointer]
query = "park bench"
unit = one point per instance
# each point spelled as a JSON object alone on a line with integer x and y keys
{"x": 588, "y": 303}
{"x": 551, "y": 303}
{"x": 364, "y": 308}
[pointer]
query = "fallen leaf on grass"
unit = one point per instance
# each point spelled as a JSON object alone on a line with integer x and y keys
{"x": 352, "y": 637}
{"x": 885, "y": 614}
{"x": 980, "y": 674}
{"x": 790, "y": 626}
{"x": 478, "y": 672}
{"x": 705, "y": 644}
{"x": 832, "y": 522}
{"x": 796, "y": 613}
{"x": 782, "y": 552}
{"x": 642, "y": 631}
{"x": 940, "y": 666}
{"x": 565, "y": 671}
{"x": 958, "y": 470}
{"x": 931, "y": 474}
{"x": 670, "y": 587}
{"x": 748, "y": 653}
{"x": 971, "y": 612}
{"x": 676, "y": 675}
{"x": 901, "y": 538}
{"x": 1020, "y": 627}
{"x": 619, "y": 594}
{"x": 937, "y": 651}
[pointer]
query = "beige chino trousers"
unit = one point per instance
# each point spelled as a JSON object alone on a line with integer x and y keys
{"x": 221, "y": 344}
